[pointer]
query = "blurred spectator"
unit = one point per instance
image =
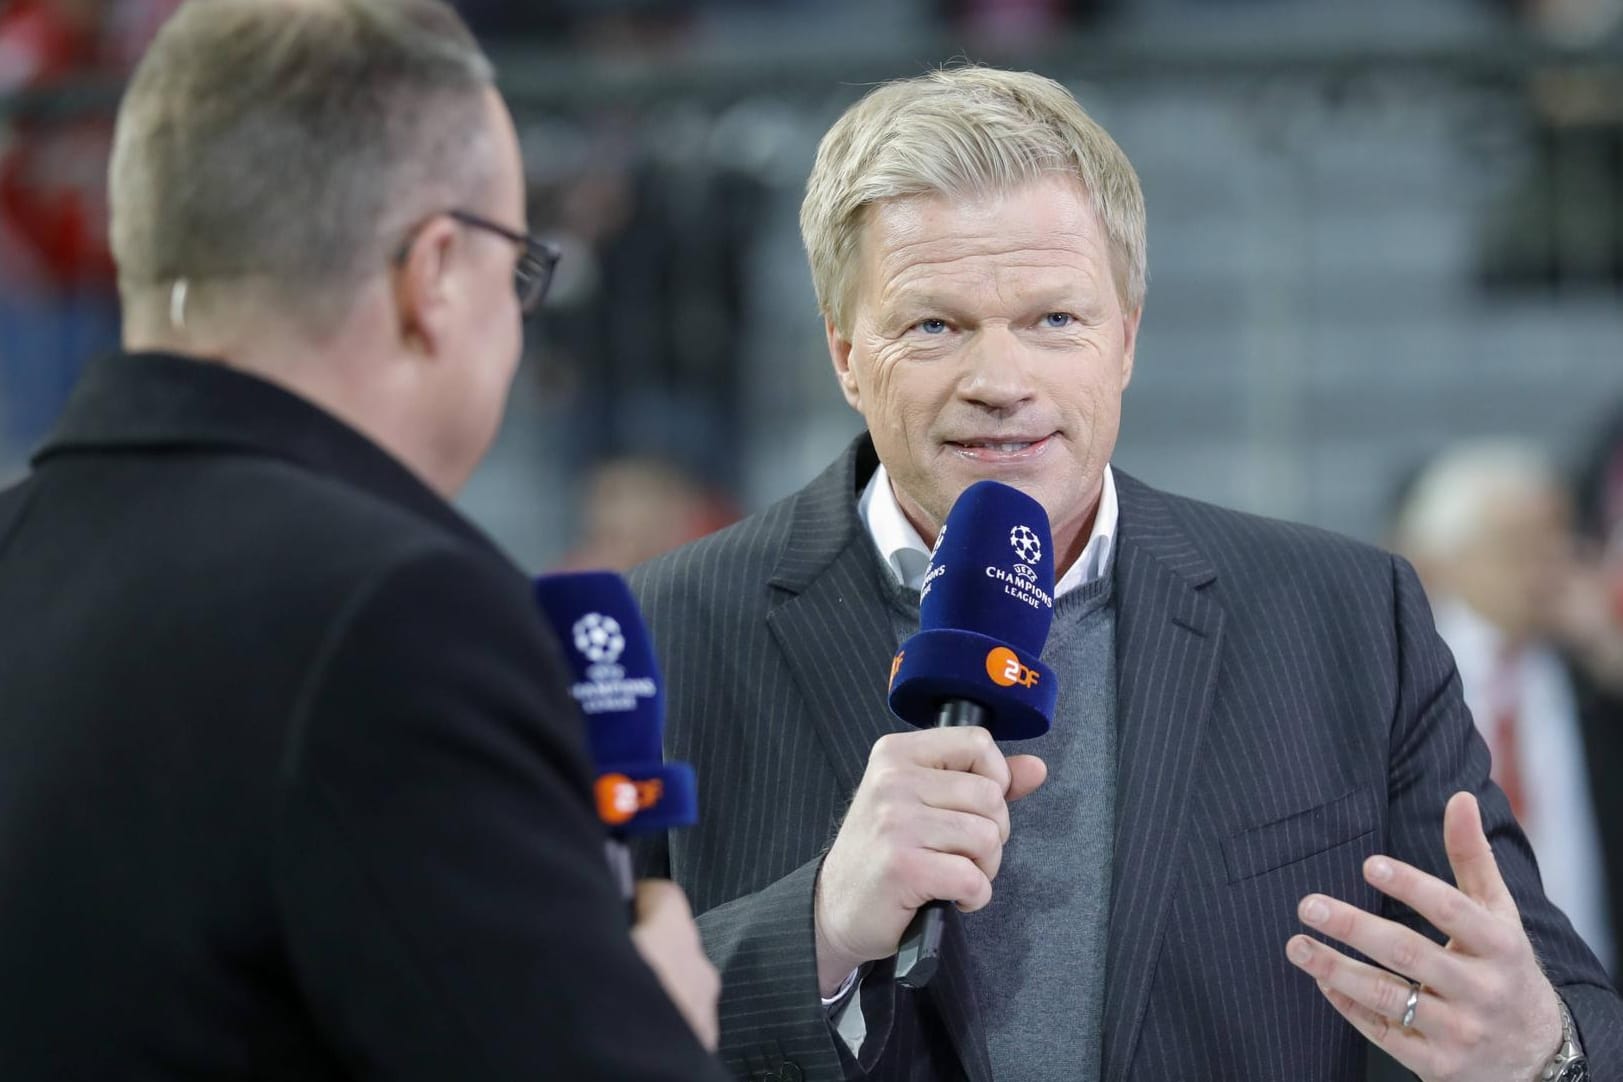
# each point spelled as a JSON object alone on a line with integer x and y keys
{"x": 57, "y": 298}
{"x": 1489, "y": 525}
{"x": 637, "y": 508}
{"x": 1600, "y": 486}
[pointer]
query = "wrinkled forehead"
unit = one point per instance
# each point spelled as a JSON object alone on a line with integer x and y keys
{"x": 1039, "y": 230}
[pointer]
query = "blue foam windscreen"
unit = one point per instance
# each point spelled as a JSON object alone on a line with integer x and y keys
{"x": 616, "y": 683}
{"x": 984, "y": 614}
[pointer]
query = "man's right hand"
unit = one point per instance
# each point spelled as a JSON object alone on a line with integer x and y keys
{"x": 669, "y": 942}
{"x": 928, "y": 821}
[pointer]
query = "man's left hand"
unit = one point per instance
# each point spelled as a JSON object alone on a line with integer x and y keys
{"x": 1484, "y": 1009}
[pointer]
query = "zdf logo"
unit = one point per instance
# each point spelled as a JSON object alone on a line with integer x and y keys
{"x": 619, "y": 798}
{"x": 1006, "y": 671}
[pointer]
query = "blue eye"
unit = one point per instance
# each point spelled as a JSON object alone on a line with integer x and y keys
{"x": 932, "y": 326}
{"x": 1058, "y": 319}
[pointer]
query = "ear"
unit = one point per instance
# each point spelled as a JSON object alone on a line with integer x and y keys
{"x": 423, "y": 287}
{"x": 839, "y": 351}
{"x": 1129, "y": 343}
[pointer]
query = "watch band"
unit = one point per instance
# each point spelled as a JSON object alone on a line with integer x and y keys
{"x": 1568, "y": 1064}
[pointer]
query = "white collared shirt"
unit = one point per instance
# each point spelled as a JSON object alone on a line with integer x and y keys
{"x": 907, "y": 556}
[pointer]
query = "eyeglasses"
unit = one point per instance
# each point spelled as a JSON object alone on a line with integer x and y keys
{"x": 532, "y": 274}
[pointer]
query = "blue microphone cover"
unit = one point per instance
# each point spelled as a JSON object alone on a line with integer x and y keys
{"x": 616, "y": 683}
{"x": 984, "y": 613}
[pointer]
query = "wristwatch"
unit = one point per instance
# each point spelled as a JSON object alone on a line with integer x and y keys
{"x": 1568, "y": 1064}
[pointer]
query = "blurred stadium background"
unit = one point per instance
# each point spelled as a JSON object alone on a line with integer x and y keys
{"x": 1375, "y": 228}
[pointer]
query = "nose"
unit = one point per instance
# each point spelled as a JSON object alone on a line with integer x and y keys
{"x": 996, "y": 374}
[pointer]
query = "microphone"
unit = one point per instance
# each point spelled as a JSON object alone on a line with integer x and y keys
{"x": 984, "y": 614}
{"x": 616, "y": 684}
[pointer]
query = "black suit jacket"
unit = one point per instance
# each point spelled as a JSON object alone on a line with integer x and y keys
{"x": 1285, "y": 709}
{"x": 290, "y": 783}
{"x": 1600, "y": 717}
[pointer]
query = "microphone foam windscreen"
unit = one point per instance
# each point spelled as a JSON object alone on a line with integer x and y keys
{"x": 984, "y": 614}
{"x": 992, "y": 570}
{"x": 616, "y": 683}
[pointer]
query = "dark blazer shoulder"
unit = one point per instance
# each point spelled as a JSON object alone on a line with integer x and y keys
{"x": 1260, "y": 552}
{"x": 784, "y": 547}
{"x": 315, "y": 528}
{"x": 733, "y": 561}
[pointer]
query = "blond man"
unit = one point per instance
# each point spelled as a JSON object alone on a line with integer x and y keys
{"x": 1260, "y": 771}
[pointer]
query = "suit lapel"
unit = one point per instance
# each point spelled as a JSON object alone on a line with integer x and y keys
{"x": 830, "y": 618}
{"x": 838, "y": 638}
{"x": 1168, "y": 646}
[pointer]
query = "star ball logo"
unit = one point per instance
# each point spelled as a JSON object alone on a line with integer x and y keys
{"x": 1027, "y": 545}
{"x": 599, "y": 638}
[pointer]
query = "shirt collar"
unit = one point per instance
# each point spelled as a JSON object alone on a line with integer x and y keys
{"x": 908, "y": 557}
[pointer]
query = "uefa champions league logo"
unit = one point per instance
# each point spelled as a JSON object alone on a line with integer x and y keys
{"x": 605, "y": 688}
{"x": 599, "y": 638}
{"x": 1026, "y": 544}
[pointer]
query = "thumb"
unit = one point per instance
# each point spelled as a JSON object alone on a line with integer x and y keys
{"x": 1469, "y": 854}
{"x": 1026, "y": 774}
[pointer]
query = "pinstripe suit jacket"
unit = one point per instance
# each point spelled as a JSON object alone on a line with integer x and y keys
{"x": 1285, "y": 709}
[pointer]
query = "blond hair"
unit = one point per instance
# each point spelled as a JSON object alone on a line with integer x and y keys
{"x": 962, "y": 131}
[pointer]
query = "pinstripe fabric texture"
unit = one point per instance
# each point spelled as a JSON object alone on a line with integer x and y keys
{"x": 1285, "y": 709}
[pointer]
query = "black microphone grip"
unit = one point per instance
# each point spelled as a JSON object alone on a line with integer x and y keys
{"x": 919, "y": 955}
{"x": 619, "y": 854}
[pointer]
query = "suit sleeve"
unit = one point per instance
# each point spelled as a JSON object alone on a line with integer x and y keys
{"x": 1437, "y": 752}
{"x": 440, "y": 874}
{"x": 771, "y": 1008}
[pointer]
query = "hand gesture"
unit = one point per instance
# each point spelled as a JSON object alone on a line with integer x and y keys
{"x": 1478, "y": 1009}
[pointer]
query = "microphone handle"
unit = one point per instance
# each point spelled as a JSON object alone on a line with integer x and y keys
{"x": 619, "y": 854}
{"x": 919, "y": 955}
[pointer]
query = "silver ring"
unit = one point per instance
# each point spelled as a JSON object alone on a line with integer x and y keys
{"x": 1410, "y": 1005}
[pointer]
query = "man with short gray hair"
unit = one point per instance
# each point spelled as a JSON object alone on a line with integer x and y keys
{"x": 292, "y": 784}
{"x": 1258, "y": 734}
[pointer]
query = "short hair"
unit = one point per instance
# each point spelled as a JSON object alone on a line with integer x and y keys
{"x": 278, "y": 140}
{"x": 963, "y": 131}
{"x": 1447, "y": 503}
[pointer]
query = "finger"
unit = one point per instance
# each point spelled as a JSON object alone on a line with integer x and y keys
{"x": 1383, "y": 994}
{"x": 970, "y": 749}
{"x": 1401, "y": 950}
{"x": 973, "y": 836}
{"x": 948, "y": 877}
{"x": 1463, "y": 919}
{"x": 949, "y": 790}
{"x": 1405, "y": 1046}
{"x": 660, "y": 900}
{"x": 1026, "y": 775}
{"x": 1471, "y": 857}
